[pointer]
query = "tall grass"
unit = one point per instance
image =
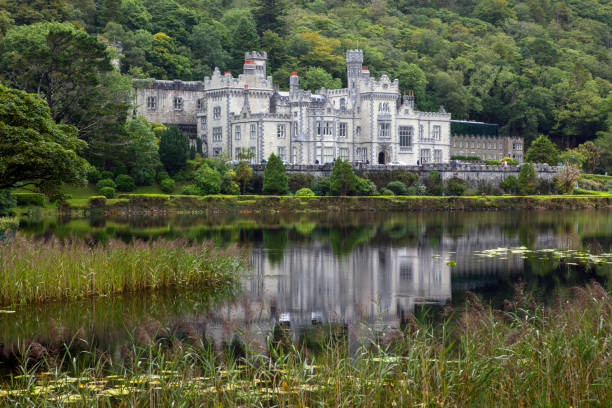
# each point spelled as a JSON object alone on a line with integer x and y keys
{"x": 40, "y": 270}
{"x": 525, "y": 355}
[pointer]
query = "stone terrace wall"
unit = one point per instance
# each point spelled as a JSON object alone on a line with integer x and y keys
{"x": 472, "y": 173}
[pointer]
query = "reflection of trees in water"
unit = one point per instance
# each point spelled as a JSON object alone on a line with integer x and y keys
{"x": 275, "y": 241}
{"x": 343, "y": 240}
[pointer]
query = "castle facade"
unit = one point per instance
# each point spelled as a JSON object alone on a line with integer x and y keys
{"x": 370, "y": 121}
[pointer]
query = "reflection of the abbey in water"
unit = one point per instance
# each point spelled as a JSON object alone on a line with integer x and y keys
{"x": 379, "y": 285}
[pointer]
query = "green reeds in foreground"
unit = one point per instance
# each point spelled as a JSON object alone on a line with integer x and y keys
{"x": 39, "y": 270}
{"x": 526, "y": 355}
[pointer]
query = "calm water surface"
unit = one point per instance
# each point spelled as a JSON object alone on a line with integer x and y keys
{"x": 312, "y": 269}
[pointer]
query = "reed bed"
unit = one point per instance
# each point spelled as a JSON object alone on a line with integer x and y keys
{"x": 34, "y": 270}
{"x": 524, "y": 355}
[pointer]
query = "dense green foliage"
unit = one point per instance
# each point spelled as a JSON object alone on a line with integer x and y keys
{"x": 298, "y": 181}
{"x": 342, "y": 179}
{"x": 125, "y": 183}
{"x": 173, "y": 149}
{"x": 542, "y": 150}
{"x": 34, "y": 150}
{"x": 528, "y": 179}
{"x": 30, "y": 199}
{"x": 208, "y": 180}
{"x": 275, "y": 178}
{"x": 7, "y": 203}
{"x": 455, "y": 186}
{"x": 304, "y": 192}
{"x": 397, "y": 187}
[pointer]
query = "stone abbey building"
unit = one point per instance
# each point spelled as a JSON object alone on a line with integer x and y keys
{"x": 370, "y": 121}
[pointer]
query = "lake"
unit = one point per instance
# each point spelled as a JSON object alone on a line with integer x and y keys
{"x": 325, "y": 269}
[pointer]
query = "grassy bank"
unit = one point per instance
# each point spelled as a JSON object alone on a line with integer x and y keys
{"x": 525, "y": 355}
{"x": 37, "y": 271}
{"x": 157, "y": 203}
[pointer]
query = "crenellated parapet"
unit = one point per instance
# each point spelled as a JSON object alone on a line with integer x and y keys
{"x": 168, "y": 85}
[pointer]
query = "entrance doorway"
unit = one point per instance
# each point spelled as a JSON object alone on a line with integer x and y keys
{"x": 381, "y": 158}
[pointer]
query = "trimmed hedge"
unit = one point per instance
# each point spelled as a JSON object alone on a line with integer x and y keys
{"x": 30, "y": 199}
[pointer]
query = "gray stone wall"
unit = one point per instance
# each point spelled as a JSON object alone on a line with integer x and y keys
{"x": 472, "y": 173}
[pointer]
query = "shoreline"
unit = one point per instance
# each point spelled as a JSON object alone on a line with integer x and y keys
{"x": 157, "y": 203}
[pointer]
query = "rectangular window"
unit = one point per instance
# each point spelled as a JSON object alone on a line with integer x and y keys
{"x": 199, "y": 105}
{"x": 362, "y": 154}
{"x": 344, "y": 153}
{"x": 384, "y": 129}
{"x": 282, "y": 153}
{"x": 358, "y": 131}
{"x": 342, "y": 129}
{"x": 324, "y": 128}
{"x": 280, "y": 131}
{"x": 217, "y": 134}
{"x": 294, "y": 154}
{"x": 217, "y": 112}
{"x": 237, "y": 134}
{"x": 425, "y": 156}
{"x": 151, "y": 102}
{"x": 254, "y": 151}
{"x": 217, "y": 151}
{"x": 437, "y": 132}
{"x": 204, "y": 121}
{"x": 295, "y": 129}
{"x": 421, "y": 132}
{"x": 437, "y": 156}
{"x": 253, "y": 131}
{"x": 328, "y": 155}
{"x": 405, "y": 137}
{"x": 178, "y": 103}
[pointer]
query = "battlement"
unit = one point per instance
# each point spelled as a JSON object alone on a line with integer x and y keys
{"x": 176, "y": 85}
{"x": 254, "y": 55}
{"x": 354, "y": 56}
{"x": 227, "y": 80}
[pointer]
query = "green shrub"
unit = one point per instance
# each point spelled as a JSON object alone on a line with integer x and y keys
{"x": 173, "y": 149}
{"x": 30, "y": 199}
{"x": 528, "y": 179}
{"x": 190, "y": 189}
{"x": 167, "y": 185}
{"x": 491, "y": 162}
{"x": 105, "y": 183}
{"x": 255, "y": 184}
{"x": 7, "y": 203}
{"x": 208, "y": 180}
{"x": 509, "y": 185}
{"x": 364, "y": 187}
{"x": 304, "y": 192}
{"x": 609, "y": 186}
{"x": 118, "y": 169}
{"x": 386, "y": 192}
{"x": 434, "y": 183}
{"x": 161, "y": 175}
{"x": 107, "y": 175}
{"x": 416, "y": 190}
{"x": 125, "y": 183}
{"x": 231, "y": 188}
{"x": 93, "y": 175}
{"x": 455, "y": 186}
{"x": 342, "y": 179}
{"x": 275, "y": 178}
{"x": 542, "y": 150}
{"x": 382, "y": 178}
{"x": 143, "y": 176}
{"x": 108, "y": 192}
{"x": 300, "y": 180}
{"x": 397, "y": 187}
{"x": 321, "y": 186}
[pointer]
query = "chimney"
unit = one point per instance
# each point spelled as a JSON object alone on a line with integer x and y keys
{"x": 409, "y": 100}
{"x": 294, "y": 82}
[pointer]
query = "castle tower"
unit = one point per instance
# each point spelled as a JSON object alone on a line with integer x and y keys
{"x": 354, "y": 63}
{"x": 255, "y": 63}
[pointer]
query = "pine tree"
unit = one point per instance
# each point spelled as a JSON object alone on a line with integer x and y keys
{"x": 528, "y": 179}
{"x": 244, "y": 39}
{"x": 542, "y": 150}
{"x": 275, "y": 178}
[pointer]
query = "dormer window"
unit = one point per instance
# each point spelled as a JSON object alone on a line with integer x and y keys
{"x": 178, "y": 103}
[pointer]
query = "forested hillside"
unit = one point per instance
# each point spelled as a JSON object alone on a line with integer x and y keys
{"x": 533, "y": 66}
